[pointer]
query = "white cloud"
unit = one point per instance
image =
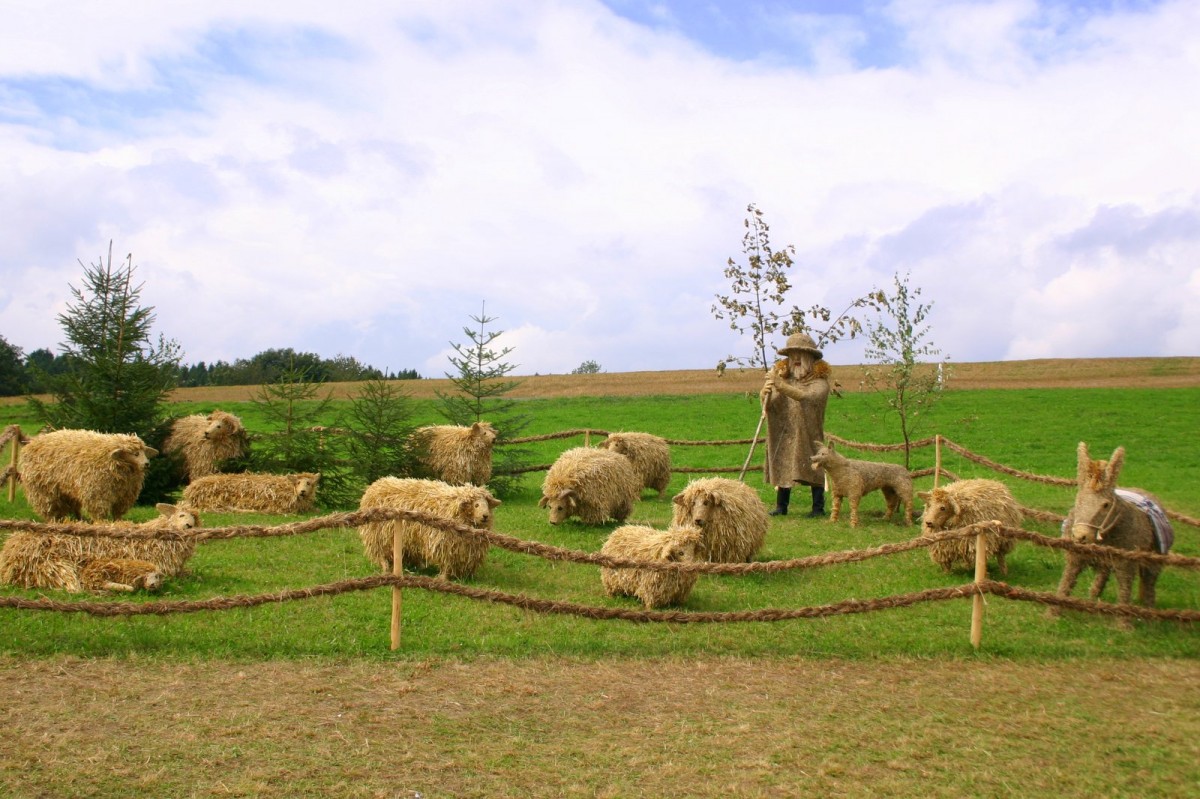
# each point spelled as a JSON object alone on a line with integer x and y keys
{"x": 352, "y": 179}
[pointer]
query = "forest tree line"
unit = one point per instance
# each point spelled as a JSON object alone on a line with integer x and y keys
{"x": 22, "y": 373}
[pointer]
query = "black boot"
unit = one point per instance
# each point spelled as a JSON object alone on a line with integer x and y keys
{"x": 818, "y": 496}
{"x": 782, "y": 497}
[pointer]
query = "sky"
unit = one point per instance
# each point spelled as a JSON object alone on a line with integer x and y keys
{"x": 368, "y": 177}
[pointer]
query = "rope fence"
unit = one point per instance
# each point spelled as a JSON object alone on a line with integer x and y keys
{"x": 982, "y": 586}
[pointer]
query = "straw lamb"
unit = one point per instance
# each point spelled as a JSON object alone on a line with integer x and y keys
{"x": 120, "y": 574}
{"x": 963, "y": 503}
{"x": 854, "y": 478}
{"x": 52, "y": 560}
{"x": 653, "y": 587}
{"x": 454, "y": 554}
{"x": 203, "y": 442}
{"x": 593, "y": 484}
{"x": 1129, "y": 519}
{"x": 730, "y": 515}
{"x": 649, "y": 454}
{"x": 456, "y": 454}
{"x": 70, "y": 473}
{"x": 254, "y": 493}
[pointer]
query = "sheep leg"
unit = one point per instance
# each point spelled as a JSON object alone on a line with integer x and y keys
{"x": 109, "y": 586}
{"x": 893, "y": 502}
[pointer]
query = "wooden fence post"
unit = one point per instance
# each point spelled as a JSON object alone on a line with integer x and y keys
{"x": 398, "y": 571}
{"x": 14, "y": 460}
{"x": 977, "y": 600}
{"x": 937, "y": 458}
{"x": 587, "y": 438}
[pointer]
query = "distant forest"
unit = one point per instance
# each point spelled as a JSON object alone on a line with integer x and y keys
{"x": 27, "y": 374}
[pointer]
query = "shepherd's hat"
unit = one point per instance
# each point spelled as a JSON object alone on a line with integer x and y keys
{"x": 800, "y": 342}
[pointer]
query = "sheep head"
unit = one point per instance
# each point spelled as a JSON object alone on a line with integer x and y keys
{"x": 698, "y": 508}
{"x": 305, "y": 485}
{"x": 181, "y": 517}
{"x": 941, "y": 509}
{"x": 476, "y": 510}
{"x": 562, "y": 506}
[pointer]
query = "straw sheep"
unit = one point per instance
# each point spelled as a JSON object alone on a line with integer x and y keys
{"x": 964, "y": 503}
{"x": 649, "y": 454}
{"x": 1122, "y": 518}
{"x": 31, "y": 559}
{"x": 203, "y": 442}
{"x": 655, "y": 588}
{"x": 454, "y": 555}
{"x": 456, "y": 454}
{"x": 120, "y": 574}
{"x": 254, "y": 493}
{"x": 593, "y": 484}
{"x": 854, "y": 478}
{"x": 731, "y": 515}
{"x": 68, "y": 473}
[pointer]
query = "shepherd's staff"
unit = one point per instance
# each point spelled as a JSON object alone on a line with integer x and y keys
{"x": 754, "y": 441}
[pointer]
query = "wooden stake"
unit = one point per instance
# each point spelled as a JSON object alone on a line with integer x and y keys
{"x": 398, "y": 571}
{"x": 12, "y": 465}
{"x": 937, "y": 458}
{"x": 587, "y": 438}
{"x": 977, "y": 600}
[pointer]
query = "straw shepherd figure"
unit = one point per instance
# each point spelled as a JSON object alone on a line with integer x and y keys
{"x": 794, "y": 397}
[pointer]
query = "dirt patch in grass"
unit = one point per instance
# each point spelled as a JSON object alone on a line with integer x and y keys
{"x": 543, "y": 728}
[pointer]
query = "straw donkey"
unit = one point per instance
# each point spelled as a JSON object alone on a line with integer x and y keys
{"x": 1119, "y": 518}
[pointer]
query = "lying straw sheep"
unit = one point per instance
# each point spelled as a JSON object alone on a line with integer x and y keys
{"x": 655, "y": 588}
{"x": 253, "y": 493}
{"x": 963, "y": 503}
{"x": 1103, "y": 514}
{"x": 120, "y": 574}
{"x": 649, "y": 454}
{"x": 730, "y": 514}
{"x": 456, "y": 454}
{"x": 593, "y": 484}
{"x": 39, "y": 560}
{"x": 455, "y": 555}
{"x": 854, "y": 478}
{"x": 68, "y": 473}
{"x": 204, "y": 441}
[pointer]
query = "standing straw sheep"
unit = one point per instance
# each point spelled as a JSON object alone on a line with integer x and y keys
{"x": 454, "y": 554}
{"x": 456, "y": 454}
{"x": 649, "y": 454}
{"x": 69, "y": 473}
{"x": 1122, "y": 518}
{"x": 731, "y": 515}
{"x": 854, "y": 478}
{"x": 964, "y": 503}
{"x": 653, "y": 587}
{"x": 31, "y": 559}
{"x": 203, "y": 442}
{"x": 254, "y": 493}
{"x": 593, "y": 484}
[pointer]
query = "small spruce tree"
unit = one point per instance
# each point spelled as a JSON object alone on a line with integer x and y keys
{"x": 380, "y": 420}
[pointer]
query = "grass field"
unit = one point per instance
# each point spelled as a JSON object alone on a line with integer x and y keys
{"x": 306, "y": 699}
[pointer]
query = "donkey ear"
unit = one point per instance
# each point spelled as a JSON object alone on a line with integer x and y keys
{"x": 1114, "y": 466}
{"x": 1084, "y": 463}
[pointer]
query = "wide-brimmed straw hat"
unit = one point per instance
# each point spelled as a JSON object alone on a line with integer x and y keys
{"x": 800, "y": 342}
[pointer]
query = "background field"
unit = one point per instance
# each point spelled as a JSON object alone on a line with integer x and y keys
{"x": 305, "y": 699}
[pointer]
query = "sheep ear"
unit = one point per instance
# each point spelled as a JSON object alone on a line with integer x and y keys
{"x": 543, "y": 501}
{"x": 165, "y": 509}
{"x": 1084, "y": 462}
{"x": 1114, "y": 466}
{"x": 493, "y": 502}
{"x": 150, "y": 452}
{"x": 678, "y": 500}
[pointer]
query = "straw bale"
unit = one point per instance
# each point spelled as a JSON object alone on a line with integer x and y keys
{"x": 254, "y": 493}
{"x": 963, "y": 503}
{"x": 853, "y": 478}
{"x": 70, "y": 473}
{"x": 731, "y": 515}
{"x": 654, "y": 588}
{"x": 456, "y": 454}
{"x": 454, "y": 555}
{"x": 203, "y": 442}
{"x": 120, "y": 574}
{"x": 593, "y": 484}
{"x": 649, "y": 454}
